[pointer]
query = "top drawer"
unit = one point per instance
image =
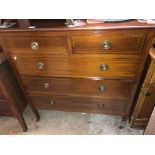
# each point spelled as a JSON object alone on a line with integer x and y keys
{"x": 107, "y": 43}
{"x": 54, "y": 44}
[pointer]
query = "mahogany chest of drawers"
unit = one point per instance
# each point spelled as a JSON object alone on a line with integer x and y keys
{"x": 92, "y": 69}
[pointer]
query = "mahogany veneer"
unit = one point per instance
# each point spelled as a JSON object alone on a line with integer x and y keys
{"x": 78, "y": 86}
{"x": 93, "y": 68}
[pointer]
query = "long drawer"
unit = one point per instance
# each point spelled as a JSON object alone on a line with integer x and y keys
{"x": 72, "y": 103}
{"x": 79, "y": 86}
{"x": 78, "y": 66}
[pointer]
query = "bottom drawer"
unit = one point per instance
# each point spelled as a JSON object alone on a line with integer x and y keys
{"x": 77, "y": 104}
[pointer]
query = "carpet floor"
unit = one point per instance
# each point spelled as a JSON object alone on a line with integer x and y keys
{"x": 66, "y": 123}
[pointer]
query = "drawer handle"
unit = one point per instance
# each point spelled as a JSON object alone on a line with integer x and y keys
{"x": 46, "y": 85}
{"x": 14, "y": 58}
{"x": 100, "y": 105}
{"x": 104, "y": 67}
{"x": 51, "y": 102}
{"x": 102, "y": 88}
{"x": 34, "y": 45}
{"x": 147, "y": 93}
{"x": 106, "y": 44}
{"x": 40, "y": 66}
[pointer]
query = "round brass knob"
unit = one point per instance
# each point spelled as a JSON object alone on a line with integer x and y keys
{"x": 15, "y": 58}
{"x": 102, "y": 88}
{"x": 46, "y": 85}
{"x": 147, "y": 93}
{"x": 40, "y": 66}
{"x": 106, "y": 44}
{"x": 104, "y": 67}
{"x": 51, "y": 102}
{"x": 34, "y": 45}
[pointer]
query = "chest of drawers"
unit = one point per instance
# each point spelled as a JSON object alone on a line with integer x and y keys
{"x": 89, "y": 69}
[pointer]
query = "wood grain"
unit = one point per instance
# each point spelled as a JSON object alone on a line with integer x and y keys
{"x": 78, "y": 66}
{"x": 80, "y": 56}
{"x": 47, "y": 45}
{"x": 145, "y": 103}
{"x": 131, "y": 43}
{"x": 79, "y": 104}
{"x": 78, "y": 86}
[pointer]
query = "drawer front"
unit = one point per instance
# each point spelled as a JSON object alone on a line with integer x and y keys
{"x": 37, "y": 45}
{"x": 119, "y": 89}
{"x": 70, "y": 103}
{"x": 108, "y": 43}
{"x": 77, "y": 66}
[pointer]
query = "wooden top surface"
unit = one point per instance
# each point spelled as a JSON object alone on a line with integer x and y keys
{"x": 58, "y": 25}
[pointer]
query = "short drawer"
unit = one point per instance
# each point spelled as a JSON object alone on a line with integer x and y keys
{"x": 37, "y": 45}
{"x": 119, "y": 89}
{"x": 108, "y": 43}
{"x": 78, "y": 66}
{"x": 71, "y": 103}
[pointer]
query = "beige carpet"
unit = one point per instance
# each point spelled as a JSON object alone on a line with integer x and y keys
{"x": 66, "y": 123}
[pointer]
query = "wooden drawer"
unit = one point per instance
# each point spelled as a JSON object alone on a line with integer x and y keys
{"x": 76, "y": 86}
{"x": 78, "y": 66}
{"x": 71, "y": 103}
{"x": 108, "y": 43}
{"x": 37, "y": 45}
